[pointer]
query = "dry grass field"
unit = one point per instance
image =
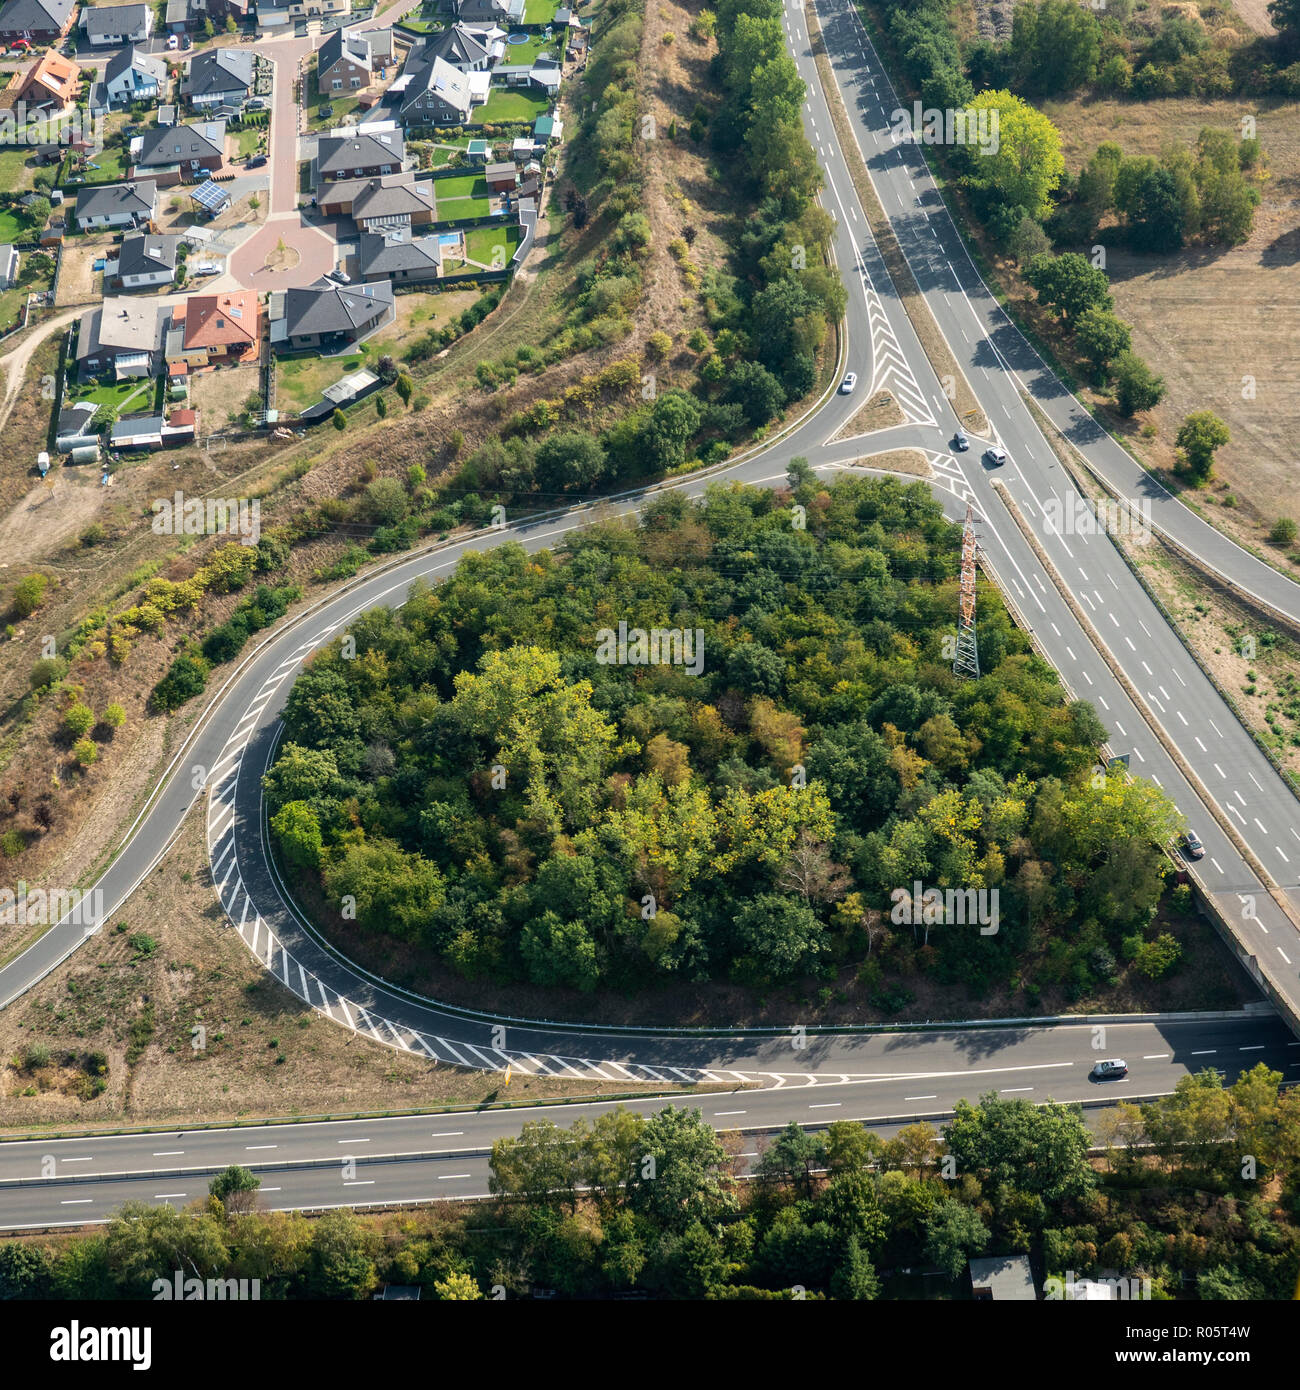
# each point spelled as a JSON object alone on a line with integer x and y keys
{"x": 1215, "y": 323}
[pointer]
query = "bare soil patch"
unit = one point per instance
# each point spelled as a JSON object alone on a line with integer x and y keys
{"x": 52, "y": 512}
{"x": 220, "y": 394}
{"x": 78, "y": 283}
{"x": 898, "y": 461}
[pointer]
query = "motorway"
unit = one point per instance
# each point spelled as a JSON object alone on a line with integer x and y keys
{"x": 234, "y": 742}
{"x": 48, "y": 1182}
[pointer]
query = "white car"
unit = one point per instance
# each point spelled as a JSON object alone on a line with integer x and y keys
{"x": 341, "y": 276}
{"x": 173, "y": 41}
{"x": 206, "y": 268}
{"x": 847, "y": 385}
{"x": 996, "y": 456}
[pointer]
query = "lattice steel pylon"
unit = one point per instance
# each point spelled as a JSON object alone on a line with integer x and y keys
{"x": 967, "y": 660}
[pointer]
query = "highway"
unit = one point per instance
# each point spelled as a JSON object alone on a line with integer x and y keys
{"x": 417, "y": 1158}
{"x": 236, "y": 739}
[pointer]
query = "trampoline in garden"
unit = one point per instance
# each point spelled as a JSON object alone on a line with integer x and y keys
{"x": 517, "y": 38}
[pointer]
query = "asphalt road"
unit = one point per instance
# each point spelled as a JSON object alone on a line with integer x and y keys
{"x": 419, "y": 1158}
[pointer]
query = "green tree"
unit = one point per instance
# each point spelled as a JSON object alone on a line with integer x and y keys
{"x": 791, "y": 1160}
{"x": 457, "y": 1287}
{"x": 1137, "y": 387}
{"x": 341, "y": 1263}
{"x": 540, "y": 1166}
{"x": 954, "y": 1234}
{"x": 777, "y": 938}
{"x": 297, "y": 831}
{"x": 1055, "y": 46}
{"x": 236, "y": 1189}
{"x": 1042, "y": 1149}
{"x": 680, "y": 1175}
{"x": 1201, "y": 434}
{"x": 1069, "y": 283}
{"x": 1026, "y": 167}
{"x": 114, "y": 715}
{"x": 1101, "y": 336}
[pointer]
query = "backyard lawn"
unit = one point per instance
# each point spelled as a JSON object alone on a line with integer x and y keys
{"x": 124, "y": 396}
{"x": 464, "y": 196}
{"x": 480, "y": 242}
{"x": 517, "y": 54}
{"x": 11, "y": 229}
{"x": 248, "y": 140}
{"x": 540, "y": 11}
{"x": 16, "y": 176}
{"x": 512, "y": 104}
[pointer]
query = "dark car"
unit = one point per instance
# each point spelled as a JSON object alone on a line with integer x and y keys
{"x": 960, "y": 442}
{"x": 255, "y": 161}
{"x": 1110, "y": 1070}
{"x": 186, "y": 41}
{"x": 1192, "y": 844}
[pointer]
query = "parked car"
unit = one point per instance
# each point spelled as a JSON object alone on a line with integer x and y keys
{"x": 255, "y": 104}
{"x": 1191, "y": 843}
{"x": 21, "y": 46}
{"x": 849, "y": 382}
{"x": 173, "y": 41}
{"x": 960, "y": 442}
{"x": 186, "y": 41}
{"x": 206, "y": 268}
{"x": 996, "y": 455}
{"x": 1110, "y": 1070}
{"x": 254, "y": 161}
{"x": 341, "y": 276}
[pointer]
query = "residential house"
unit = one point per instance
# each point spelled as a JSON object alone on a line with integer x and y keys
{"x": 76, "y": 427}
{"x": 113, "y": 24}
{"x": 117, "y": 205}
{"x": 383, "y": 49}
{"x": 144, "y": 261}
{"x": 215, "y": 330}
{"x": 171, "y": 153}
{"x": 501, "y": 178}
{"x": 329, "y": 316}
{"x": 220, "y": 77}
{"x": 359, "y": 156}
{"x": 343, "y": 63}
{"x": 37, "y": 21}
{"x": 275, "y": 15}
{"x": 134, "y": 75}
{"x": 435, "y": 94}
{"x": 1003, "y": 1279}
{"x": 191, "y": 14}
{"x": 464, "y": 48}
{"x": 121, "y": 338}
{"x": 50, "y": 84}
{"x": 8, "y": 266}
{"x": 399, "y": 257}
{"x": 507, "y": 13}
{"x": 400, "y": 200}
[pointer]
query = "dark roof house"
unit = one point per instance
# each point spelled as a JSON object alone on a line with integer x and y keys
{"x": 327, "y": 314}
{"x": 359, "y": 156}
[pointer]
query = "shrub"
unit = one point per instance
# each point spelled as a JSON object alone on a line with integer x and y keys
{"x": 658, "y": 346}
{"x": 78, "y": 719}
{"x": 184, "y": 679}
{"x": 1283, "y": 531}
{"x": 84, "y": 751}
{"x": 114, "y": 716}
{"x": 29, "y": 593}
{"x": 12, "y": 844}
{"x": 340, "y": 420}
{"x": 46, "y": 671}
